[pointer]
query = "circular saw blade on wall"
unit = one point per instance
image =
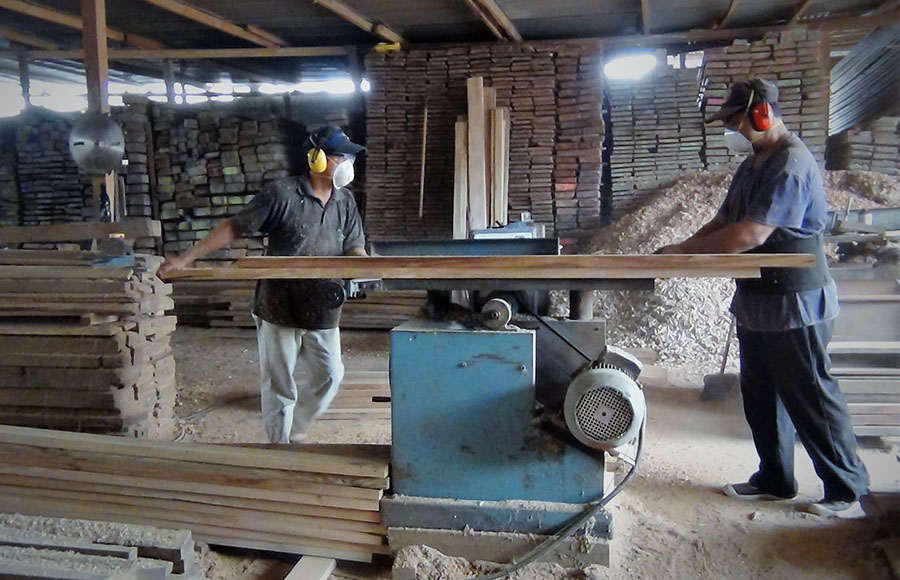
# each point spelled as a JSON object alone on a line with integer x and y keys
{"x": 97, "y": 144}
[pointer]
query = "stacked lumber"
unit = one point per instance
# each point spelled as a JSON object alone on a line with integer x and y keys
{"x": 865, "y": 353}
{"x": 9, "y": 185}
{"x": 209, "y": 166}
{"x": 50, "y": 188}
{"x": 135, "y": 123}
{"x": 578, "y": 173}
{"x": 75, "y": 549}
{"x": 363, "y": 395}
{"x": 533, "y": 82}
{"x": 226, "y": 303}
{"x": 308, "y": 500}
{"x": 657, "y": 134}
{"x": 875, "y": 146}
{"x": 796, "y": 61}
{"x": 84, "y": 343}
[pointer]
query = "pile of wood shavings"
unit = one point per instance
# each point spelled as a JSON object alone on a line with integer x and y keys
{"x": 686, "y": 320}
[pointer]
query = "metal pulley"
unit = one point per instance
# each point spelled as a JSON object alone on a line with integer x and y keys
{"x": 497, "y": 313}
{"x": 97, "y": 144}
{"x": 331, "y": 293}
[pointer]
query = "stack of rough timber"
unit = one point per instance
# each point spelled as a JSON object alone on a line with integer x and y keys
{"x": 313, "y": 500}
{"x": 874, "y": 147}
{"x": 210, "y": 166}
{"x": 51, "y": 190}
{"x": 796, "y": 61}
{"x": 75, "y": 549}
{"x": 546, "y": 91}
{"x": 363, "y": 395}
{"x": 9, "y": 187}
{"x": 84, "y": 343}
{"x": 135, "y": 123}
{"x": 657, "y": 134}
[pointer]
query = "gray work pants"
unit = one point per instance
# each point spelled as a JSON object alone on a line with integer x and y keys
{"x": 290, "y": 406}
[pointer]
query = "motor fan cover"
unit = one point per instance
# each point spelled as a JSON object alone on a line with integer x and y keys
{"x": 604, "y": 408}
{"x": 97, "y": 144}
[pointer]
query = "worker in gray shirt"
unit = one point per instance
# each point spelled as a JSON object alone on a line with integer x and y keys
{"x": 776, "y": 204}
{"x": 296, "y": 320}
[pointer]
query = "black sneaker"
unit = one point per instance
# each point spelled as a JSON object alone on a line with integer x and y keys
{"x": 749, "y": 492}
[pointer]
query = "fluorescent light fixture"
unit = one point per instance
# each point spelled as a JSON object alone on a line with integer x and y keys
{"x": 242, "y": 89}
{"x": 194, "y": 99}
{"x": 630, "y": 67}
{"x": 337, "y": 86}
{"x": 222, "y": 98}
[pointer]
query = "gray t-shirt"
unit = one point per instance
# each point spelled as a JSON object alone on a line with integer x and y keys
{"x": 785, "y": 191}
{"x": 299, "y": 224}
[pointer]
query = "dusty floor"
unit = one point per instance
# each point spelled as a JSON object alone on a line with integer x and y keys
{"x": 671, "y": 523}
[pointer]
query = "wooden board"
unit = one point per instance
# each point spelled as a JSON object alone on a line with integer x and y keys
{"x": 477, "y": 155}
{"x": 312, "y": 568}
{"x": 592, "y": 267}
{"x": 461, "y": 183}
{"x": 131, "y": 228}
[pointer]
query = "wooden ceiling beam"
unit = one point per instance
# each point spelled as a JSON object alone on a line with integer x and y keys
{"x": 217, "y": 22}
{"x": 495, "y": 19}
{"x": 187, "y": 53}
{"x": 800, "y": 11}
{"x": 378, "y": 29}
{"x": 726, "y": 18}
{"x": 27, "y": 39}
{"x": 72, "y": 21}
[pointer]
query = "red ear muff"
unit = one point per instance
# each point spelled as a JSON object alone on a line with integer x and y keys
{"x": 762, "y": 117}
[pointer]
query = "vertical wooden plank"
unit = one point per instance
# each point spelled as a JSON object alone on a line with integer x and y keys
{"x": 497, "y": 168}
{"x": 422, "y": 173}
{"x": 96, "y": 64}
{"x": 169, "y": 78}
{"x": 461, "y": 182}
{"x": 504, "y": 216}
{"x": 312, "y": 568}
{"x": 477, "y": 158}
{"x": 490, "y": 103}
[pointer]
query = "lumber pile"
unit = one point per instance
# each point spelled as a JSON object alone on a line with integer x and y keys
{"x": 135, "y": 123}
{"x": 308, "y": 500}
{"x": 865, "y": 352}
{"x": 84, "y": 343}
{"x": 796, "y": 61}
{"x": 208, "y": 167}
{"x": 50, "y": 188}
{"x": 226, "y": 303}
{"x": 657, "y": 134}
{"x": 78, "y": 549}
{"x": 363, "y": 395}
{"x": 9, "y": 185}
{"x": 874, "y": 146}
{"x": 552, "y": 97}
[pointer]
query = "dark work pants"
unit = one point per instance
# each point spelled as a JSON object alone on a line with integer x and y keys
{"x": 786, "y": 384}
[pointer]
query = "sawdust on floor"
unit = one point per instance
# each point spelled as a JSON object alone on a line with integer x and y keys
{"x": 671, "y": 523}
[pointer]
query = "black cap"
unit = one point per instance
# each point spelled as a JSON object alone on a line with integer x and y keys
{"x": 739, "y": 95}
{"x": 333, "y": 141}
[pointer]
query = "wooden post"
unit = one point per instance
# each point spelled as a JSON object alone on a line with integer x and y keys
{"x": 25, "y": 80}
{"x": 478, "y": 216}
{"x": 169, "y": 78}
{"x": 96, "y": 66}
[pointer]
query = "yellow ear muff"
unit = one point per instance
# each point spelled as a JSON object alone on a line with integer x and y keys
{"x": 318, "y": 161}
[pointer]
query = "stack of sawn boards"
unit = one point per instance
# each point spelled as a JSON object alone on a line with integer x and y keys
{"x": 76, "y": 549}
{"x": 226, "y": 303}
{"x": 291, "y": 499}
{"x": 84, "y": 343}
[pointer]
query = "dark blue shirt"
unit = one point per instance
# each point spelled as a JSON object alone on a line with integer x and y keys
{"x": 784, "y": 191}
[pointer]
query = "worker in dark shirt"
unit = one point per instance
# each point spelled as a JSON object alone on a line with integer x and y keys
{"x": 297, "y": 327}
{"x": 776, "y": 204}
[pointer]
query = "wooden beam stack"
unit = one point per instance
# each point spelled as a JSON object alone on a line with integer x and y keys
{"x": 84, "y": 343}
{"x": 657, "y": 134}
{"x": 9, "y": 186}
{"x": 135, "y": 123}
{"x": 545, "y": 88}
{"x": 309, "y": 500}
{"x": 209, "y": 165}
{"x": 797, "y": 61}
{"x": 874, "y": 146}
{"x": 45, "y": 547}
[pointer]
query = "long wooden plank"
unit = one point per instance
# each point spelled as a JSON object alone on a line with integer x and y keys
{"x": 272, "y": 459}
{"x": 512, "y": 267}
{"x": 461, "y": 183}
{"x": 477, "y": 156}
{"x": 312, "y": 568}
{"x": 130, "y": 228}
{"x": 65, "y": 272}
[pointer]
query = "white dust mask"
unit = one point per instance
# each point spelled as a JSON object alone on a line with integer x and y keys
{"x": 737, "y": 143}
{"x": 343, "y": 174}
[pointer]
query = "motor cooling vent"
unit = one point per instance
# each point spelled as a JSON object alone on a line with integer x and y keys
{"x": 604, "y": 414}
{"x": 604, "y": 408}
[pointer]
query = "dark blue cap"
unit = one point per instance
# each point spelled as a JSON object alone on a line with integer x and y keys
{"x": 333, "y": 141}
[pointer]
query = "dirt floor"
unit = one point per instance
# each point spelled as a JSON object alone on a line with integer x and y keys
{"x": 670, "y": 523}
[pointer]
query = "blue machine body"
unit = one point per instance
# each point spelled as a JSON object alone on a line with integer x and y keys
{"x": 463, "y": 420}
